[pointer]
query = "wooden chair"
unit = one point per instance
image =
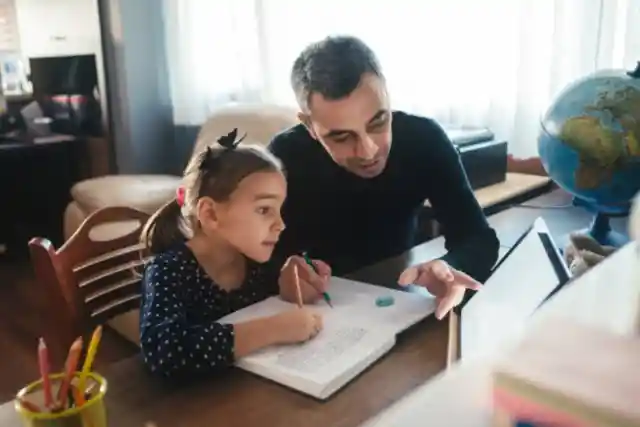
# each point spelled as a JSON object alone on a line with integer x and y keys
{"x": 93, "y": 277}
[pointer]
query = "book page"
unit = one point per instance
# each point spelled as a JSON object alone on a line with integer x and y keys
{"x": 354, "y": 302}
{"x": 316, "y": 354}
{"x": 358, "y": 300}
{"x": 331, "y": 345}
{"x": 337, "y": 349}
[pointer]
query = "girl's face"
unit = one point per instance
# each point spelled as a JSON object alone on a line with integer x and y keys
{"x": 250, "y": 220}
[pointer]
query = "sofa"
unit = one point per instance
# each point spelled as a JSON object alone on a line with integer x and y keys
{"x": 149, "y": 192}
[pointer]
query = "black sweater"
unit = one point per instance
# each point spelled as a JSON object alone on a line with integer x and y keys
{"x": 351, "y": 222}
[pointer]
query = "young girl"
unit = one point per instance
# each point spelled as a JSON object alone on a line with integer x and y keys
{"x": 209, "y": 244}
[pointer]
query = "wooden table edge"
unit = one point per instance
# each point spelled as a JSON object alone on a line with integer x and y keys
{"x": 534, "y": 182}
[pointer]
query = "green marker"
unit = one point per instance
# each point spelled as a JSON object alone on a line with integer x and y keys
{"x": 325, "y": 295}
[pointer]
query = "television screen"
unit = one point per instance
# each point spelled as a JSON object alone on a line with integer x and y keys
{"x": 63, "y": 75}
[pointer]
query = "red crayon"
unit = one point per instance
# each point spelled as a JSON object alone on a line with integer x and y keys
{"x": 43, "y": 362}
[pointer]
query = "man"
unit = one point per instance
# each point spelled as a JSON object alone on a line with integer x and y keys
{"x": 358, "y": 174}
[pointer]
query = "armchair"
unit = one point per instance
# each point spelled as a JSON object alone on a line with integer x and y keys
{"x": 147, "y": 193}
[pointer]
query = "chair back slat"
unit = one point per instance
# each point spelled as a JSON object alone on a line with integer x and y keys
{"x": 94, "y": 266}
{"x": 130, "y": 267}
{"x": 96, "y": 274}
{"x": 115, "y": 308}
{"x": 106, "y": 295}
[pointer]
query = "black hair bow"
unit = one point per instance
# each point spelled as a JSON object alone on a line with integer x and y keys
{"x": 229, "y": 141}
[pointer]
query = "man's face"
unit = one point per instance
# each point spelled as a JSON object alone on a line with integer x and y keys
{"x": 355, "y": 130}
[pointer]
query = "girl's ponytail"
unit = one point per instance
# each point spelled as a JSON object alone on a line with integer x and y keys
{"x": 162, "y": 230}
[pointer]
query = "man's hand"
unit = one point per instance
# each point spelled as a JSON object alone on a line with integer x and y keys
{"x": 443, "y": 281}
{"x": 312, "y": 284}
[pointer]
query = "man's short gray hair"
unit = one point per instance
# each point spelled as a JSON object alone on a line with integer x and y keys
{"x": 332, "y": 67}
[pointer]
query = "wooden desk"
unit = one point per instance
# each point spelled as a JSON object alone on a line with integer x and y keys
{"x": 555, "y": 207}
{"x": 240, "y": 399}
{"x": 461, "y": 396}
{"x": 515, "y": 186}
{"x": 557, "y": 210}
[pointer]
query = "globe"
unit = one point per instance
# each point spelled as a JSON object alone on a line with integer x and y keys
{"x": 589, "y": 144}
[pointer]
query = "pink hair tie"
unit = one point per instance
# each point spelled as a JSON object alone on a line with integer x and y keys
{"x": 180, "y": 196}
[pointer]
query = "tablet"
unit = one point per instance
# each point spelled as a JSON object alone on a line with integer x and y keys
{"x": 528, "y": 275}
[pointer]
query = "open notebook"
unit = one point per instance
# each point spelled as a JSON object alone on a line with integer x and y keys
{"x": 356, "y": 333}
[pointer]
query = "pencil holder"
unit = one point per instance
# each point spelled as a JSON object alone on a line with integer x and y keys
{"x": 91, "y": 413}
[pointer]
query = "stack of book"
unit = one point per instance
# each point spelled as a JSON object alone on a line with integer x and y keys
{"x": 565, "y": 374}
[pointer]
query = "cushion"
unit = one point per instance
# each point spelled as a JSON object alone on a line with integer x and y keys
{"x": 73, "y": 217}
{"x": 143, "y": 192}
{"x": 260, "y": 122}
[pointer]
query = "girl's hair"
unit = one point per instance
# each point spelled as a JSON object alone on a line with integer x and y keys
{"x": 214, "y": 172}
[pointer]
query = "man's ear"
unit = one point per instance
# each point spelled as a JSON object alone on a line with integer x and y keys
{"x": 305, "y": 119}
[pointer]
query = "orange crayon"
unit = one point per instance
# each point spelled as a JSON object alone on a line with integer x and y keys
{"x": 296, "y": 279}
{"x": 70, "y": 367}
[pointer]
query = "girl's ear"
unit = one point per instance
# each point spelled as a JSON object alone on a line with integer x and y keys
{"x": 207, "y": 213}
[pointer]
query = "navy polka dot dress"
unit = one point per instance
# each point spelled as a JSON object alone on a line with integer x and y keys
{"x": 179, "y": 332}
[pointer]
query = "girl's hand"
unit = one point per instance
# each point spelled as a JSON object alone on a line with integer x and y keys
{"x": 312, "y": 284}
{"x": 297, "y": 325}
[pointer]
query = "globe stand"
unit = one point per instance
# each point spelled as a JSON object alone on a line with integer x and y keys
{"x": 601, "y": 231}
{"x": 600, "y": 228}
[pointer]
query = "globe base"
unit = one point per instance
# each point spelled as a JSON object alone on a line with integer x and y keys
{"x": 601, "y": 231}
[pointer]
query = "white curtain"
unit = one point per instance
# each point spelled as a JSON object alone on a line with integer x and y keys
{"x": 494, "y": 63}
